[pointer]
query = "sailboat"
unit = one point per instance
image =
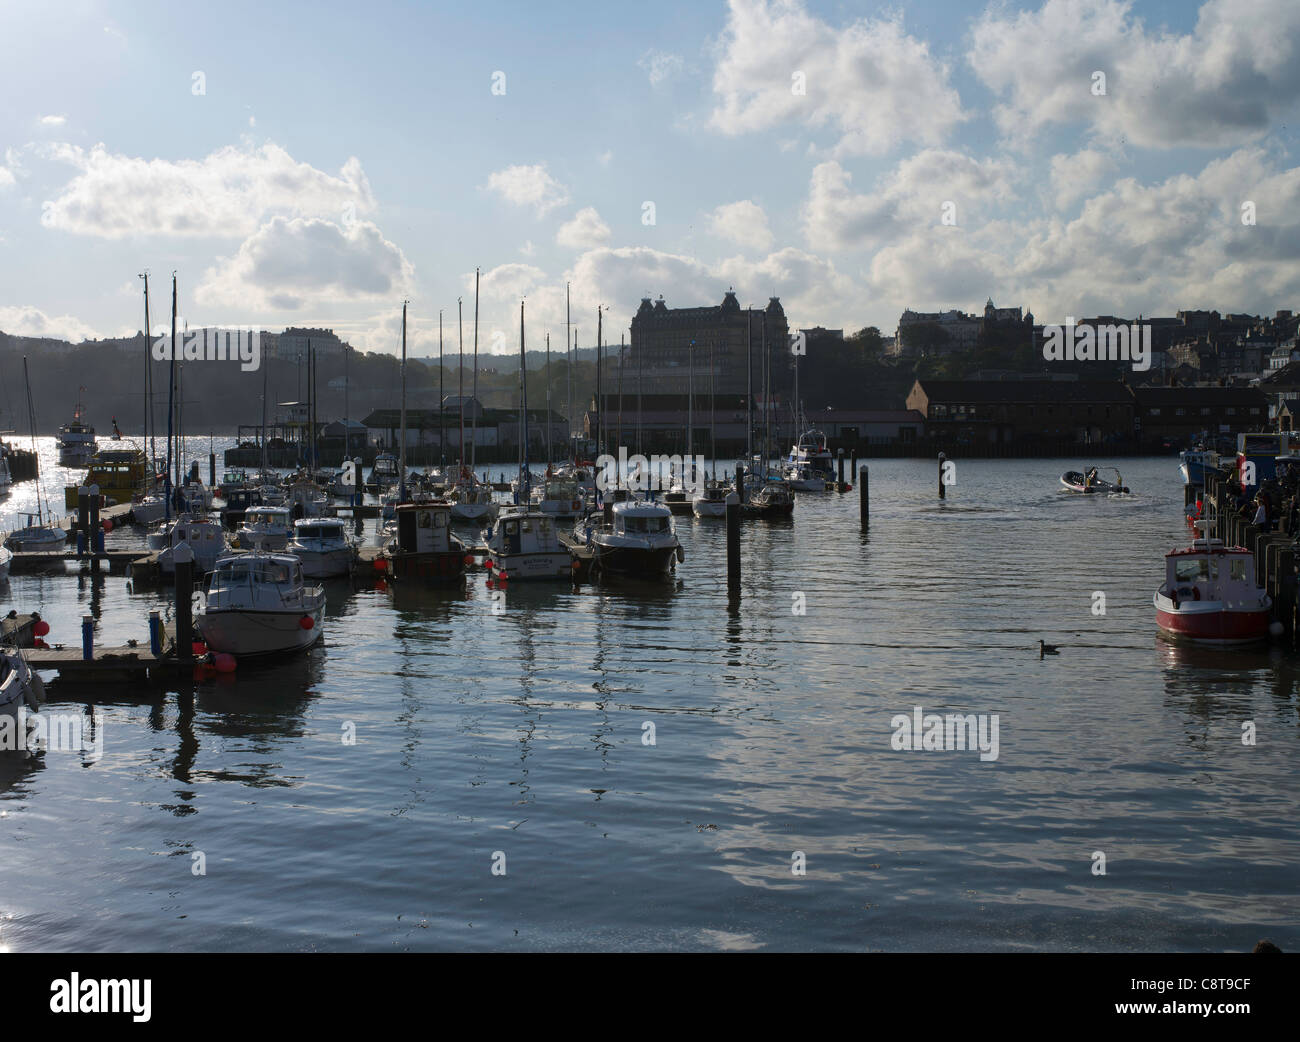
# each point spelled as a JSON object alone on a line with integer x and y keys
{"x": 772, "y": 498}
{"x": 471, "y": 499}
{"x": 713, "y": 499}
{"x": 524, "y": 542}
{"x": 40, "y": 532}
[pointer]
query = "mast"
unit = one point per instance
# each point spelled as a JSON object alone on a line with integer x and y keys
{"x": 767, "y": 395}
{"x": 749, "y": 384}
{"x": 690, "y": 409}
{"x": 31, "y": 419}
{"x": 550, "y": 441}
{"x": 568, "y": 416}
{"x": 573, "y": 446}
{"x": 401, "y": 480}
{"x": 148, "y": 382}
{"x": 713, "y": 433}
{"x": 525, "y": 493}
{"x": 600, "y": 406}
{"x": 473, "y": 419}
{"x": 262, "y": 476}
{"x": 442, "y": 416}
{"x": 171, "y": 398}
{"x": 638, "y": 402}
{"x": 347, "y": 445}
{"x": 618, "y": 437}
{"x": 460, "y": 334}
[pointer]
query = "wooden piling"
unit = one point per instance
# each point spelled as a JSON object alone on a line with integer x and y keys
{"x": 87, "y": 638}
{"x": 864, "y": 497}
{"x": 740, "y": 482}
{"x": 212, "y": 470}
{"x": 942, "y": 490}
{"x": 733, "y": 548}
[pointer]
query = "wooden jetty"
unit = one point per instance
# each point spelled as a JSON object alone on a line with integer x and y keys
{"x": 19, "y": 631}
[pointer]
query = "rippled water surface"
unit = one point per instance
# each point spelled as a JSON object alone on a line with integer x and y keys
{"x": 525, "y": 733}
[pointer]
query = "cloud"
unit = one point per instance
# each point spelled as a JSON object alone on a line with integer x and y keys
{"x": 227, "y": 194}
{"x": 743, "y": 223}
{"x": 288, "y": 264}
{"x": 529, "y": 186}
{"x": 1073, "y": 176}
{"x": 912, "y": 196}
{"x": 660, "y": 66}
{"x": 1218, "y": 86}
{"x": 30, "y": 321}
{"x": 6, "y": 177}
{"x": 586, "y": 229}
{"x": 868, "y": 82}
{"x": 53, "y": 121}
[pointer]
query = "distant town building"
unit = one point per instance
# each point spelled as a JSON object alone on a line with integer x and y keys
{"x": 293, "y": 342}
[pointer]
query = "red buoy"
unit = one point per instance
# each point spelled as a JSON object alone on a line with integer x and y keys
{"x": 41, "y": 629}
{"x": 381, "y": 565}
{"x": 107, "y": 525}
{"x": 306, "y": 622}
{"x": 224, "y": 663}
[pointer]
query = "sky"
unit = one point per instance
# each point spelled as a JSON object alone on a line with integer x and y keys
{"x": 317, "y": 164}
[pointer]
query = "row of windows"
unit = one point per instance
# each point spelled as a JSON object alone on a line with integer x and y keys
{"x": 1000, "y": 412}
{"x": 1254, "y": 410}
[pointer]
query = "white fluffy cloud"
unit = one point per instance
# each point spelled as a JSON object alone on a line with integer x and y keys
{"x": 53, "y": 121}
{"x": 586, "y": 229}
{"x": 743, "y": 223}
{"x": 288, "y": 264}
{"x": 224, "y": 195}
{"x": 6, "y": 177}
{"x": 529, "y": 186}
{"x": 1217, "y": 86}
{"x": 30, "y": 321}
{"x": 868, "y": 82}
{"x": 911, "y": 197}
{"x": 1073, "y": 176}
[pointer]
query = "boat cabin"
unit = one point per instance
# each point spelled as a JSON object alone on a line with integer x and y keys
{"x": 424, "y": 528}
{"x": 641, "y": 517}
{"x": 255, "y": 581}
{"x": 1208, "y": 571}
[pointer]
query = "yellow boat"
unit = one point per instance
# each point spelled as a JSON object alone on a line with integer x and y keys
{"x": 121, "y": 474}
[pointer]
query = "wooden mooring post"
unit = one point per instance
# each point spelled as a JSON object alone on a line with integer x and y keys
{"x": 864, "y": 497}
{"x": 733, "y": 548}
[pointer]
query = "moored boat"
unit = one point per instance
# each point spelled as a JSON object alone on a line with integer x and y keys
{"x": 205, "y": 538}
{"x": 19, "y": 684}
{"x": 424, "y": 546}
{"x": 76, "y": 440}
{"x": 265, "y": 528}
{"x": 1210, "y": 595}
{"x": 639, "y": 540}
{"x": 714, "y": 498}
{"x": 323, "y": 546}
{"x": 257, "y": 604}
{"x": 121, "y": 474}
{"x": 524, "y": 544}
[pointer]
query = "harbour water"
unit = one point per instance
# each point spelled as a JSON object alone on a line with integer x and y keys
{"x": 520, "y": 741}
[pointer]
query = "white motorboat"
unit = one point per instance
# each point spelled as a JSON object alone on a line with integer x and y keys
{"x": 640, "y": 540}
{"x": 385, "y": 472}
{"x": 811, "y": 449}
{"x": 714, "y": 498}
{"x": 324, "y": 547}
{"x": 257, "y": 604}
{"x": 1091, "y": 483}
{"x": 525, "y": 544}
{"x": 770, "y": 499}
{"x": 205, "y": 538}
{"x": 6, "y": 478}
{"x": 265, "y": 528}
{"x": 6, "y": 555}
{"x": 423, "y": 545}
{"x": 801, "y": 477}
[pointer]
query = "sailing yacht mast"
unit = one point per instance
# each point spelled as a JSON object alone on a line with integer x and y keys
{"x": 600, "y": 406}
{"x": 525, "y": 492}
{"x": 401, "y": 479}
{"x": 171, "y": 397}
{"x": 460, "y": 336}
{"x": 550, "y": 442}
{"x": 568, "y": 415}
{"x": 442, "y": 416}
{"x": 148, "y": 383}
{"x": 31, "y": 419}
{"x": 690, "y": 410}
{"x": 749, "y": 392}
{"x": 473, "y": 419}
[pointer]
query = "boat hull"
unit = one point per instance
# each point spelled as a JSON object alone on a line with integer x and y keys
{"x": 542, "y": 565}
{"x": 325, "y": 564}
{"x": 442, "y": 566}
{"x": 635, "y": 561}
{"x": 1211, "y": 623}
{"x": 245, "y": 634}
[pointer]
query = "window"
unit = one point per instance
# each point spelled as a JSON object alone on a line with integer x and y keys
{"x": 1238, "y": 570}
{"x": 1190, "y": 571}
{"x": 1180, "y": 412}
{"x": 1153, "y": 412}
{"x": 1205, "y": 410}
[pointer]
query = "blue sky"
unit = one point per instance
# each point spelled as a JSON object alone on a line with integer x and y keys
{"x": 342, "y": 157}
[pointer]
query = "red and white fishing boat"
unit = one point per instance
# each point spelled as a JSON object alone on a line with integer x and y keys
{"x": 1210, "y": 596}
